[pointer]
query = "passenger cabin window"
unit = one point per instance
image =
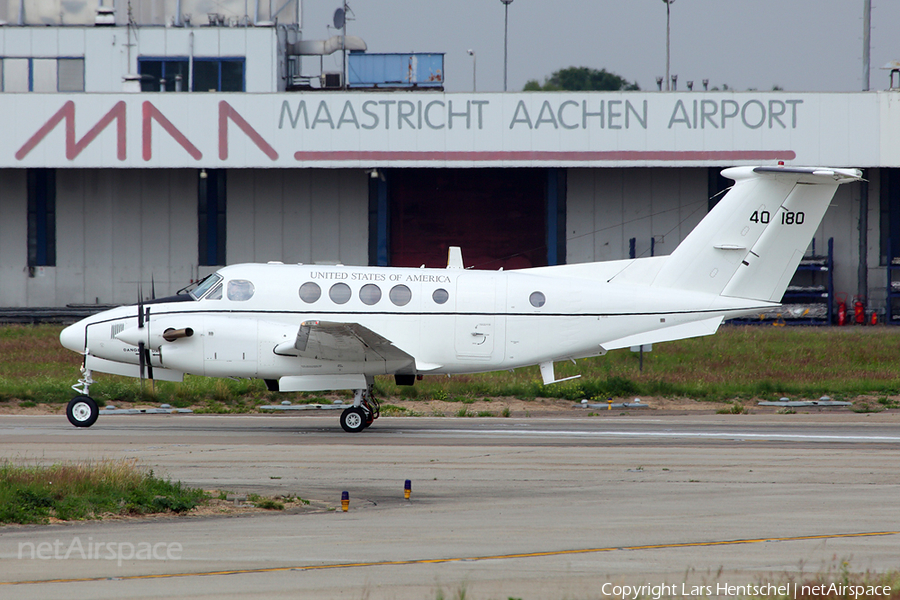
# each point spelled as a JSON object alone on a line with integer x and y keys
{"x": 537, "y": 299}
{"x": 310, "y": 292}
{"x": 240, "y": 290}
{"x": 400, "y": 295}
{"x": 440, "y": 296}
{"x": 370, "y": 294}
{"x": 340, "y": 293}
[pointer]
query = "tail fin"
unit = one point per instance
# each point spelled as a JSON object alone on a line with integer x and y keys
{"x": 750, "y": 244}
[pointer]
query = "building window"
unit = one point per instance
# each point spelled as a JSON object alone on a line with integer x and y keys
{"x": 211, "y": 217}
{"x": 218, "y": 75}
{"x": 16, "y": 75}
{"x": 41, "y": 217}
{"x": 70, "y": 74}
{"x": 171, "y": 74}
{"x": 163, "y": 74}
{"x": 42, "y": 75}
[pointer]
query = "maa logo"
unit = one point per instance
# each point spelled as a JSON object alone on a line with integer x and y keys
{"x": 149, "y": 114}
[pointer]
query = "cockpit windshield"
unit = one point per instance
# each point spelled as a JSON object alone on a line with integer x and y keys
{"x": 204, "y": 286}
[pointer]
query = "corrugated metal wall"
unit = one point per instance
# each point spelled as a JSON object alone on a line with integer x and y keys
{"x": 298, "y": 216}
{"x": 608, "y": 207}
{"x": 117, "y": 228}
{"x": 13, "y": 237}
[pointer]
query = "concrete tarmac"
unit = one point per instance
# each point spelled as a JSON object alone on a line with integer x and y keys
{"x": 529, "y": 508}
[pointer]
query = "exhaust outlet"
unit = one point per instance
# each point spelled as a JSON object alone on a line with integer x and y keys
{"x": 170, "y": 335}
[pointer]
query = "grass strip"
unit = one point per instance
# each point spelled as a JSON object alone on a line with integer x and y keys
{"x": 87, "y": 490}
{"x": 738, "y": 363}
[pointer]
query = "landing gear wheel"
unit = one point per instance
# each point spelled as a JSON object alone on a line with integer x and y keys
{"x": 353, "y": 420}
{"x": 82, "y": 411}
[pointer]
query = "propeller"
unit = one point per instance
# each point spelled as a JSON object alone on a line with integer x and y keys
{"x": 146, "y": 367}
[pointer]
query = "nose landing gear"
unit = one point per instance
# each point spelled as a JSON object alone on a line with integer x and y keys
{"x": 82, "y": 410}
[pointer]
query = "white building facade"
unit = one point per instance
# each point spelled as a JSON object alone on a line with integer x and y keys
{"x": 129, "y": 154}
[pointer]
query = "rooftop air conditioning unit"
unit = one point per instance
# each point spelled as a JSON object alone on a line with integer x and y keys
{"x": 331, "y": 81}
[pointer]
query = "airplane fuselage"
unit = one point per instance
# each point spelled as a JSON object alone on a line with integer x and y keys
{"x": 450, "y": 320}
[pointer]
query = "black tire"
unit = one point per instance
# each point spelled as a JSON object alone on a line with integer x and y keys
{"x": 353, "y": 420}
{"x": 82, "y": 411}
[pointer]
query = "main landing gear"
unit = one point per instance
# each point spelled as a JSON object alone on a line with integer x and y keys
{"x": 364, "y": 411}
{"x": 82, "y": 410}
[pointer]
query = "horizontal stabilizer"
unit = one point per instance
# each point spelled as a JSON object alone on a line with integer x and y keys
{"x": 668, "y": 334}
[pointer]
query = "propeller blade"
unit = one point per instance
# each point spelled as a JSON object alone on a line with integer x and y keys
{"x": 152, "y": 288}
{"x": 140, "y": 307}
{"x": 142, "y": 362}
{"x": 149, "y": 368}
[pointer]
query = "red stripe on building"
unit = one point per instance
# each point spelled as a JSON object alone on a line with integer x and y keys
{"x": 588, "y": 156}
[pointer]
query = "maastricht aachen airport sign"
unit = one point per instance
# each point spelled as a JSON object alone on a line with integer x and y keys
{"x": 365, "y": 129}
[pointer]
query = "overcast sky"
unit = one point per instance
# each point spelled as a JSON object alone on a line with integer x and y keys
{"x": 800, "y": 45}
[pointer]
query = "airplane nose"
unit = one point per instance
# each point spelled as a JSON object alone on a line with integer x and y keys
{"x": 72, "y": 337}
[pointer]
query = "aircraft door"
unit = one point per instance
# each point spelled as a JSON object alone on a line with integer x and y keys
{"x": 476, "y": 317}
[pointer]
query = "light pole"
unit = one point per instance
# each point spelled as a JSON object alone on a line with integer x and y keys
{"x": 472, "y": 54}
{"x": 668, "y": 5}
{"x": 506, "y": 4}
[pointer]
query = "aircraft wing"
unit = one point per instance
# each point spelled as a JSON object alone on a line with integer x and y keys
{"x": 347, "y": 342}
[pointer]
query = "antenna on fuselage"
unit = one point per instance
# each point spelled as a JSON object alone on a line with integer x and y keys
{"x": 454, "y": 258}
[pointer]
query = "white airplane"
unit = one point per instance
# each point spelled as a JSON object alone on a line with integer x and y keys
{"x": 313, "y": 327}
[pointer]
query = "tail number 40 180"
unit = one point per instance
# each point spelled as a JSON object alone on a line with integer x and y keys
{"x": 788, "y": 217}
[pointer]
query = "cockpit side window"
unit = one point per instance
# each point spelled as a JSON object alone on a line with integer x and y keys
{"x": 216, "y": 293}
{"x": 240, "y": 290}
{"x": 206, "y": 285}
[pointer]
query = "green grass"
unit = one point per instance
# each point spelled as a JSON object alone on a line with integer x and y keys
{"x": 738, "y": 363}
{"x": 76, "y": 491}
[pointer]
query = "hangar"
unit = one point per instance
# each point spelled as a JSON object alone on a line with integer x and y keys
{"x": 130, "y": 154}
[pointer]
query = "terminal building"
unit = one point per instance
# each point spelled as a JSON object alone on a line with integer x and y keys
{"x": 132, "y": 153}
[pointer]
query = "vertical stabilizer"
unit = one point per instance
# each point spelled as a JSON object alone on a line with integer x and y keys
{"x": 750, "y": 244}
